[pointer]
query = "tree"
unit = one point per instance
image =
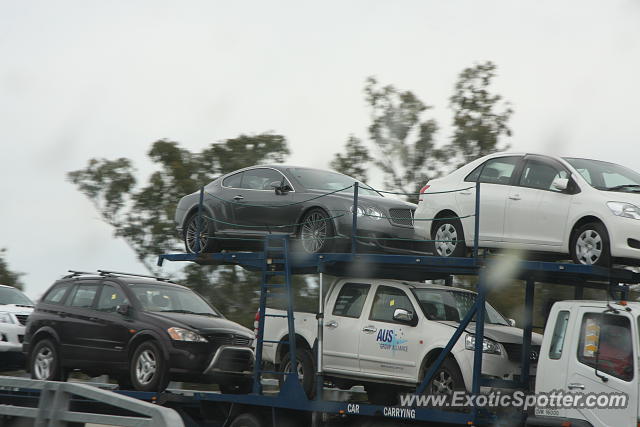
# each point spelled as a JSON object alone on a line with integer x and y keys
{"x": 8, "y": 277}
{"x": 403, "y": 137}
{"x": 144, "y": 217}
{"x": 479, "y": 117}
{"x": 354, "y": 161}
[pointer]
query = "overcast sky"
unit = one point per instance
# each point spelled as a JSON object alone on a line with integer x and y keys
{"x": 83, "y": 79}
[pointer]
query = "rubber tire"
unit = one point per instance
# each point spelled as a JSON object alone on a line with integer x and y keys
{"x": 461, "y": 248}
{"x": 598, "y": 227}
{"x": 451, "y": 367}
{"x": 381, "y": 394}
{"x": 57, "y": 373}
{"x": 211, "y": 246}
{"x": 247, "y": 419}
{"x": 161, "y": 377}
{"x": 242, "y": 387}
{"x": 329, "y": 244}
{"x": 305, "y": 358}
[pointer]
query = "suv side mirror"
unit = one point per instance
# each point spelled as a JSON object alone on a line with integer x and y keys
{"x": 404, "y": 316}
{"x": 123, "y": 309}
{"x": 560, "y": 184}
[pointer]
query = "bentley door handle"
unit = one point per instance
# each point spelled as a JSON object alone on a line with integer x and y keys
{"x": 369, "y": 329}
{"x": 238, "y": 197}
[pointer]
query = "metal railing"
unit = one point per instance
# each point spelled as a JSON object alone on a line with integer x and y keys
{"x": 54, "y": 405}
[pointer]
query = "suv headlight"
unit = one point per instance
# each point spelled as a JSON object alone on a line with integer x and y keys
{"x": 488, "y": 346}
{"x": 181, "y": 334}
{"x": 5, "y": 318}
{"x": 374, "y": 213}
{"x": 623, "y": 209}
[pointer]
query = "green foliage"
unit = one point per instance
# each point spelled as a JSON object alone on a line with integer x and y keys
{"x": 354, "y": 161}
{"x": 8, "y": 277}
{"x": 403, "y": 137}
{"x": 480, "y": 118}
{"x": 144, "y": 216}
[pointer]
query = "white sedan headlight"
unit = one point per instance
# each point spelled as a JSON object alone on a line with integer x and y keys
{"x": 623, "y": 209}
{"x": 5, "y": 318}
{"x": 488, "y": 346}
{"x": 181, "y": 334}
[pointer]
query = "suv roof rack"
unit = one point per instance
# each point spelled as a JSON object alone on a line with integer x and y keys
{"x": 119, "y": 273}
{"x": 75, "y": 273}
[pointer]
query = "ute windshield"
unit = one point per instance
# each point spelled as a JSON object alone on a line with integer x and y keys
{"x": 315, "y": 179}
{"x": 606, "y": 176}
{"x": 450, "y": 305}
{"x": 171, "y": 299}
{"x": 14, "y": 296}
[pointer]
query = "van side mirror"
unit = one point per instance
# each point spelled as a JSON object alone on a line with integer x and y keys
{"x": 560, "y": 184}
{"x": 512, "y": 322}
{"x": 123, "y": 309}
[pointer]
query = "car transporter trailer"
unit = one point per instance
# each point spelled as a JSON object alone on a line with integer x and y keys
{"x": 52, "y": 403}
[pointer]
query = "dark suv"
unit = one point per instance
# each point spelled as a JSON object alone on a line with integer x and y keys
{"x": 141, "y": 330}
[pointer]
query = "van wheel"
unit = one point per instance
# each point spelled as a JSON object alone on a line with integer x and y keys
{"x": 448, "y": 238}
{"x": 447, "y": 379}
{"x": 590, "y": 245}
{"x": 148, "y": 368}
{"x": 306, "y": 373}
{"x": 45, "y": 362}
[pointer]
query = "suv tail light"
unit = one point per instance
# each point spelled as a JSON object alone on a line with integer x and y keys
{"x": 424, "y": 190}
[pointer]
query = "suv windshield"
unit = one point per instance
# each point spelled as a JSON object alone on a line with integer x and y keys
{"x": 172, "y": 299}
{"x": 13, "y": 296}
{"x": 606, "y": 176}
{"x": 315, "y": 179}
{"x": 442, "y": 304}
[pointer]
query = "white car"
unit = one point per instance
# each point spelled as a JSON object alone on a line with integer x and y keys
{"x": 587, "y": 209}
{"x": 15, "y": 308}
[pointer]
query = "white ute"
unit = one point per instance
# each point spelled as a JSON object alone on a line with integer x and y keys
{"x": 15, "y": 309}
{"x": 590, "y": 348}
{"x": 380, "y": 332}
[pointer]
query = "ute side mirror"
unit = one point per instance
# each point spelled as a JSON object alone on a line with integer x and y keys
{"x": 560, "y": 184}
{"x": 123, "y": 309}
{"x": 404, "y": 316}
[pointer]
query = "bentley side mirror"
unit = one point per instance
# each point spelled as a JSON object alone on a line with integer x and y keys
{"x": 123, "y": 309}
{"x": 560, "y": 184}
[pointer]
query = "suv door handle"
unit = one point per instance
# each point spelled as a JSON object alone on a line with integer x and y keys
{"x": 369, "y": 329}
{"x": 62, "y": 314}
{"x": 332, "y": 324}
{"x": 571, "y": 386}
{"x": 515, "y": 197}
{"x": 238, "y": 197}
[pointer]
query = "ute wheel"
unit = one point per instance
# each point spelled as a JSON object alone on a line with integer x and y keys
{"x": 45, "y": 362}
{"x": 381, "y": 394}
{"x": 447, "y": 379}
{"x": 316, "y": 232}
{"x": 207, "y": 231}
{"x": 148, "y": 368}
{"x": 242, "y": 387}
{"x": 590, "y": 245}
{"x": 306, "y": 373}
{"x": 247, "y": 420}
{"x": 449, "y": 238}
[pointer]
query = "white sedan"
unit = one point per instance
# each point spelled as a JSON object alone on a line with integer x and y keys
{"x": 584, "y": 208}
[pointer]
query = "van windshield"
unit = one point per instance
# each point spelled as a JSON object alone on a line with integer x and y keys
{"x": 606, "y": 176}
{"x": 171, "y": 299}
{"x": 450, "y": 305}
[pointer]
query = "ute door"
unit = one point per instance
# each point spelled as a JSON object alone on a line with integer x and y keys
{"x": 611, "y": 337}
{"x": 387, "y": 346}
{"x": 341, "y": 327}
{"x": 495, "y": 176}
{"x": 537, "y": 211}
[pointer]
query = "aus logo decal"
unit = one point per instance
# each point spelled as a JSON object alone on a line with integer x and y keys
{"x": 389, "y": 339}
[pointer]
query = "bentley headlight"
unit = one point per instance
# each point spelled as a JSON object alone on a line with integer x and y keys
{"x": 623, "y": 209}
{"x": 374, "y": 213}
{"x": 359, "y": 210}
{"x": 488, "y": 346}
{"x": 181, "y": 334}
